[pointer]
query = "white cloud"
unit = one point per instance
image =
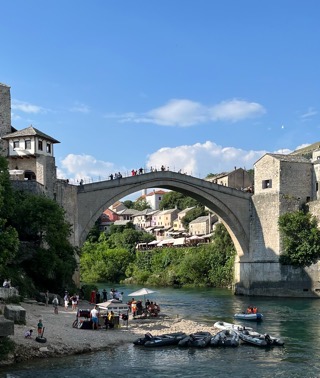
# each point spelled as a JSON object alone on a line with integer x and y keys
{"x": 80, "y": 108}
{"x": 184, "y": 113}
{"x": 309, "y": 113}
{"x": 26, "y": 107}
{"x": 200, "y": 159}
{"x": 87, "y": 168}
{"x": 236, "y": 110}
{"x": 178, "y": 113}
{"x": 15, "y": 117}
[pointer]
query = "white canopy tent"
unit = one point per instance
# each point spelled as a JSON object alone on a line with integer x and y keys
{"x": 113, "y": 305}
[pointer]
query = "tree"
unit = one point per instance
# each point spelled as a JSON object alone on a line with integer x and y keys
{"x": 173, "y": 199}
{"x": 45, "y": 253}
{"x": 141, "y": 204}
{"x": 100, "y": 263}
{"x": 301, "y": 239}
{"x": 128, "y": 204}
{"x": 9, "y": 242}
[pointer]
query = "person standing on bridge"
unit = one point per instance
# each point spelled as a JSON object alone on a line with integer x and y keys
{"x": 111, "y": 176}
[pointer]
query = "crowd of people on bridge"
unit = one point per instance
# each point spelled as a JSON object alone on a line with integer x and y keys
{"x": 140, "y": 171}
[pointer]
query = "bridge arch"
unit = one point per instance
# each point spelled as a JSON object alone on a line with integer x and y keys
{"x": 231, "y": 205}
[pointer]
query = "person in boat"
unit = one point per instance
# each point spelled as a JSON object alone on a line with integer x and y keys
{"x": 254, "y": 310}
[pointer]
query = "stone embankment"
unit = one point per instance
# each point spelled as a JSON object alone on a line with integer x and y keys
{"x": 63, "y": 339}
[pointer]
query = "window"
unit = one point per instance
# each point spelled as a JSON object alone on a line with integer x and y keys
{"x": 27, "y": 144}
{"x": 49, "y": 148}
{"x": 266, "y": 184}
{"x": 15, "y": 144}
{"x": 40, "y": 146}
{"x": 317, "y": 186}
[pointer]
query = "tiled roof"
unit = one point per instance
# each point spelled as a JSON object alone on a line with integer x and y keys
{"x": 157, "y": 192}
{"x": 129, "y": 212}
{"x": 308, "y": 149}
{"x": 290, "y": 158}
{"x": 30, "y": 131}
{"x": 200, "y": 219}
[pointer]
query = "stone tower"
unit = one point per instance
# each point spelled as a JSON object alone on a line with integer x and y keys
{"x": 5, "y": 117}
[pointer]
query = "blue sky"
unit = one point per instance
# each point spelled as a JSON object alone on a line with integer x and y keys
{"x": 202, "y": 86}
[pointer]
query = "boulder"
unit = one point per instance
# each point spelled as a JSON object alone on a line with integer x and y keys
{"x": 15, "y": 313}
{"x": 8, "y": 292}
{"x": 6, "y": 327}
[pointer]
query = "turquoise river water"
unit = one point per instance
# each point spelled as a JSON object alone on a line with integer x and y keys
{"x": 296, "y": 321}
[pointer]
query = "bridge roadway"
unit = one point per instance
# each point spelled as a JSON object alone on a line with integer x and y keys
{"x": 231, "y": 205}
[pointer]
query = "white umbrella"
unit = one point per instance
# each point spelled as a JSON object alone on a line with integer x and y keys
{"x": 143, "y": 291}
{"x": 195, "y": 237}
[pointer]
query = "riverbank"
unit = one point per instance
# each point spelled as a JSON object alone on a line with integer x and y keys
{"x": 63, "y": 339}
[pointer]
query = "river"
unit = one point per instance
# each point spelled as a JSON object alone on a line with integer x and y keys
{"x": 296, "y": 321}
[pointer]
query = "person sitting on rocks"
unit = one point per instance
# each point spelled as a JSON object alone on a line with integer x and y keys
{"x": 6, "y": 283}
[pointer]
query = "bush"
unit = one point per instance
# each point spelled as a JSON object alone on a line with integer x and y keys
{"x": 6, "y": 346}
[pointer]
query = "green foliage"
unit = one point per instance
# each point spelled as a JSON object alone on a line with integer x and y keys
{"x": 87, "y": 289}
{"x": 118, "y": 229}
{"x": 301, "y": 239}
{"x": 128, "y": 204}
{"x": 206, "y": 265}
{"x": 141, "y": 204}
{"x": 94, "y": 233}
{"x": 110, "y": 257}
{"x": 7, "y": 346}
{"x": 45, "y": 253}
{"x": 99, "y": 263}
{"x": 173, "y": 199}
{"x": 9, "y": 242}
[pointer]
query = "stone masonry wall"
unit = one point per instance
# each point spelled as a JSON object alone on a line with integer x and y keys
{"x": 5, "y": 116}
{"x": 296, "y": 180}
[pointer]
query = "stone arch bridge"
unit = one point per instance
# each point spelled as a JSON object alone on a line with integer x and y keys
{"x": 90, "y": 200}
{"x": 257, "y": 270}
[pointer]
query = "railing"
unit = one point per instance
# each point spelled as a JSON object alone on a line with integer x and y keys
{"x": 137, "y": 172}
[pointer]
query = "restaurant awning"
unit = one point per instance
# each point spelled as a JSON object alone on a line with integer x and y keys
{"x": 153, "y": 242}
{"x": 179, "y": 241}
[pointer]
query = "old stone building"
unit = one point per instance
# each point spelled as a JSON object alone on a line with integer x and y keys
{"x": 283, "y": 183}
{"x": 238, "y": 179}
{"x": 29, "y": 152}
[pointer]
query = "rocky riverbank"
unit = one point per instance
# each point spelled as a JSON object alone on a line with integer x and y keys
{"x": 63, "y": 339}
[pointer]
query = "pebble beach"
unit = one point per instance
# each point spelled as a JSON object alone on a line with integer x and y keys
{"x": 62, "y": 339}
